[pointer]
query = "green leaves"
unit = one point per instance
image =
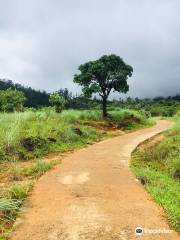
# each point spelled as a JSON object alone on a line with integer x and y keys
{"x": 58, "y": 101}
{"x": 103, "y": 75}
{"x": 89, "y": 90}
{"x": 11, "y": 100}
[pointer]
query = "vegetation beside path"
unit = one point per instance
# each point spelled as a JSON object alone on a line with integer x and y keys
{"x": 26, "y": 137}
{"x": 157, "y": 166}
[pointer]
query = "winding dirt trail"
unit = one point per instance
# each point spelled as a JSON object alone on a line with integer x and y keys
{"x": 93, "y": 195}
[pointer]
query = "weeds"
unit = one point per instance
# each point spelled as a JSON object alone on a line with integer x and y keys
{"x": 10, "y": 204}
{"x": 39, "y": 168}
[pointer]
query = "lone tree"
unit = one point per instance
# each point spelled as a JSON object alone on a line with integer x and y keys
{"x": 58, "y": 101}
{"x": 103, "y": 75}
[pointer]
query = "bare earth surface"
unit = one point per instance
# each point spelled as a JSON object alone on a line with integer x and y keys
{"x": 94, "y": 195}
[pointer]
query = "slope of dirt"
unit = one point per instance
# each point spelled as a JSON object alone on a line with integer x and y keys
{"x": 93, "y": 195}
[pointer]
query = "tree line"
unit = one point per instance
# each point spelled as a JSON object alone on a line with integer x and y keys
{"x": 33, "y": 98}
{"x": 97, "y": 78}
{"x": 13, "y": 96}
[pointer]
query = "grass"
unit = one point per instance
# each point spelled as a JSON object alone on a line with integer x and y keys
{"x": 32, "y": 134}
{"x": 129, "y": 119}
{"x": 8, "y": 205}
{"x": 39, "y": 169}
{"x": 158, "y": 169}
{"x": 26, "y": 137}
{"x": 11, "y": 201}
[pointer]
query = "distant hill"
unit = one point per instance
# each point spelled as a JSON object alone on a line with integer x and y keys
{"x": 35, "y": 98}
{"x": 176, "y": 98}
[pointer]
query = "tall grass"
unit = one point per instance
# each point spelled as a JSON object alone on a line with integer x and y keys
{"x": 50, "y": 131}
{"x": 39, "y": 168}
{"x": 11, "y": 200}
{"x": 7, "y": 205}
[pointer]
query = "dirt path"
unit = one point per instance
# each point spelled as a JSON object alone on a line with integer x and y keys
{"x": 94, "y": 195}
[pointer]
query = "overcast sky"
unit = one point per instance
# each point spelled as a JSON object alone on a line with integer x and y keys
{"x": 42, "y": 42}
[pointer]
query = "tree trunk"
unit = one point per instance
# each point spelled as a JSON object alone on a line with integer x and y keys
{"x": 104, "y": 106}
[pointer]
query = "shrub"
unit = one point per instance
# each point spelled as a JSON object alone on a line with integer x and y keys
{"x": 11, "y": 100}
{"x": 58, "y": 101}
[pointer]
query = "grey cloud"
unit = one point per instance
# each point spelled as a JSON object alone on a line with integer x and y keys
{"x": 43, "y": 42}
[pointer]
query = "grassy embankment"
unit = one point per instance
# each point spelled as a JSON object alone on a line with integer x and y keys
{"x": 157, "y": 166}
{"x": 26, "y": 137}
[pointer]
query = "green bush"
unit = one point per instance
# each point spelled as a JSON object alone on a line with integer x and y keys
{"x": 11, "y": 100}
{"x": 58, "y": 101}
